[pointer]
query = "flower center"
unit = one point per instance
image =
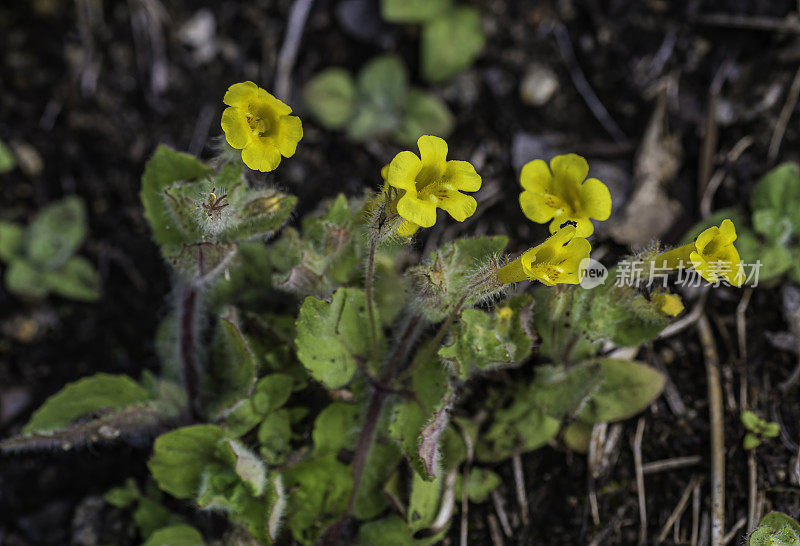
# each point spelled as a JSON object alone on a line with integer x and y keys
{"x": 261, "y": 122}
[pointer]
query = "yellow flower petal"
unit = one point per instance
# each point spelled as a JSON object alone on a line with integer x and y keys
{"x": 289, "y": 134}
{"x": 537, "y": 207}
{"x": 403, "y": 171}
{"x": 596, "y": 199}
{"x": 583, "y": 226}
{"x": 669, "y": 304}
{"x": 385, "y": 172}
{"x": 536, "y": 177}
{"x": 237, "y": 132}
{"x": 278, "y": 106}
{"x": 422, "y": 213}
{"x": 407, "y": 229}
{"x": 569, "y": 168}
{"x": 432, "y": 150}
{"x": 727, "y": 232}
{"x": 458, "y": 205}
{"x": 261, "y": 157}
{"x": 462, "y": 175}
{"x": 705, "y": 238}
{"x": 240, "y": 94}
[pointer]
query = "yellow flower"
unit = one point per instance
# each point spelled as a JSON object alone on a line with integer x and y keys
{"x": 563, "y": 195}
{"x": 260, "y": 125}
{"x": 712, "y": 255}
{"x": 556, "y": 261}
{"x": 430, "y": 181}
{"x": 669, "y": 304}
{"x": 404, "y": 228}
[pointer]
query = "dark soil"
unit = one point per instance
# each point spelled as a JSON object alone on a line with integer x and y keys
{"x": 88, "y": 89}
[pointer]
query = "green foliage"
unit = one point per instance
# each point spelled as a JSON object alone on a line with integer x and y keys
{"x": 41, "y": 257}
{"x": 333, "y": 337}
{"x": 379, "y": 102}
{"x": 176, "y": 535}
{"x": 424, "y": 501}
{"x": 232, "y": 368}
{"x": 758, "y": 429}
{"x": 7, "y": 160}
{"x": 450, "y": 43}
{"x": 91, "y": 395}
{"x": 389, "y": 531}
{"x": 413, "y": 11}
{"x": 776, "y": 529}
{"x": 482, "y": 341}
{"x": 149, "y": 513}
{"x": 627, "y": 388}
{"x": 480, "y": 484}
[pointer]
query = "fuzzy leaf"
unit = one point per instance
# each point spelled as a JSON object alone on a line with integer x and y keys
{"x": 199, "y": 262}
{"x": 331, "y": 336}
{"x": 450, "y": 43}
{"x": 418, "y": 425}
{"x": 164, "y": 169}
{"x": 271, "y": 392}
{"x": 425, "y": 114}
{"x": 259, "y": 214}
{"x": 232, "y": 371}
{"x": 56, "y": 232}
{"x": 96, "y": 393}
{"x": 389, "y": 531}
{"x": 518, "y": 426}
{"x": 320, "y": 489}
{"x": 176, "y": 535}
{"x": 337, "y": 427}
{"x": 627, "y": 388}
{"x": 484, "y": 341}
{"x": 246, "y": 464}
{"x": 274, "y": 435}
{"x": 330, "y": 96}
{"x": 180, "y": 458}
{"x": 423, "y": 503}
{"x": 370, "y": 501}
{"x": 77, "y": 280}
{"x": 560, "y": 392}
{"x": 776, "y": 529}
{"x": 12, "y": 241}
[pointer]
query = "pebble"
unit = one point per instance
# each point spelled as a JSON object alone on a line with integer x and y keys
{"x": 538, "y": 85}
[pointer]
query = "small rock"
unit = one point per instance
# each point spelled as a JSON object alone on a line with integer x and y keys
{"x": 538, "y": 85}
{"x": 198, "y": 33}
{"x": 13, "y": 401}
{"x": 28, "y": 159}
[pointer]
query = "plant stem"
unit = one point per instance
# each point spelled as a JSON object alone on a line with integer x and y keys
{"x": 187, "y": 345}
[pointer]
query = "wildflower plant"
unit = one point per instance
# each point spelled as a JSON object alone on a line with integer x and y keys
{"x": 317, "y": 378}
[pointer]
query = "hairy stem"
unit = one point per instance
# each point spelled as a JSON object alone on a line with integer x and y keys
{"x": 187, "y": 345}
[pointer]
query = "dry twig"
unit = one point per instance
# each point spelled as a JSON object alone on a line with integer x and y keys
{"x": 678, "y": 511}
{"x": 637, "y": 461}
{"x": 291, "y": 45}
{"x": 519, "y": 480}
{"x": 783, "y": 118}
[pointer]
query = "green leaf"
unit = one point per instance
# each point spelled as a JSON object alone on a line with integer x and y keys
{"x": 413, "y": 11}
{"x": 164, "y": 169}
{"x": 331, "y": 336}
{"x": 450, "y": 43}
{"x": 124, "y": 496}
{"x": 24, "y": 280}
{"x": 320, "y": 489}
{"x": 577, "y": 436}
{"x": 96, "y": 393}
{"x": 518, "y": 426}
{"x": 150, "y": 515}
{"x": 382, "y": 87}
{"x": 423, "y": 504}
{"x": 769, "y": 223}
{"x": 7, "y": 161}
{"x": 751, "y": 421}
{"x": 275, "y": 435}
{"x": 481, "y": 483}
{"x": 779, "y": 190}
{"x": 337, "y": 427}
{"x": 180, "y": 458}
{"x": 330, "y": 96}
{"x": 484, "y": 341}
{"x": 776, "y": 529}
{"x": 627, "y": 388}
{"x": 77, "y": 280}
{"x": 248, "y": 467}
{"x": 751, "y": 441}
{"x": 232, "y": 371}
{"x": 257, "y": 214}
{"x": 12, "y": 241}
{"x": 271, "y": 392}
{"x": 389, "y": 531}
{"x": 560, "y": 392}
{"x": 425, "y": 114}
{"x": 176, "y": 535}
{"x": 56, "y": 232}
